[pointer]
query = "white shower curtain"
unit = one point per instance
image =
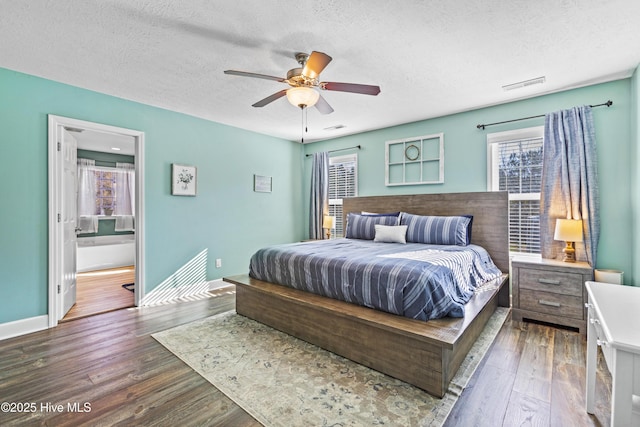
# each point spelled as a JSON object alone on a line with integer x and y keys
{"x": 125, "y": 197}
{"x": 87, "y": 218}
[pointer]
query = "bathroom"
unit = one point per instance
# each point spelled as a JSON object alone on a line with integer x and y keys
{"x": 106, "y": 240}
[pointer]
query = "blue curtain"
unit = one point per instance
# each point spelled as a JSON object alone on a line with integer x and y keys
{"x": 319, "y": 194}
{"x": 570, "y": 181}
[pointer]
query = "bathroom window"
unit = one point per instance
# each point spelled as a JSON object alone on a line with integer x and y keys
{"x": 105, "y": 191}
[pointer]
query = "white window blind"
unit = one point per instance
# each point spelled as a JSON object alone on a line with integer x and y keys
{"x": 515, "y": 166}
{"x": 343, "y": 183}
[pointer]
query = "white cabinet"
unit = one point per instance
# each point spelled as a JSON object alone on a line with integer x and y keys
{"x": 613, "y": 324}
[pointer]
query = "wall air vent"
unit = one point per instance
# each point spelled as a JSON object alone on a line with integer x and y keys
{"x": 520, "y": 85}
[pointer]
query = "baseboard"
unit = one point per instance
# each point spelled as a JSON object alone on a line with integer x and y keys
{"x": 217, "y": 284}
{"x": 39, "y": 323}
{"x": 165, "y": 294}
{"x": 23, "y": 326}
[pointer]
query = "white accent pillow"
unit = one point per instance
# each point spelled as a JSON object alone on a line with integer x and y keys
{"x": 391, "y": 233}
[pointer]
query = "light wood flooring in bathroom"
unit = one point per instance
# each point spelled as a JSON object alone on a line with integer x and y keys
{"x": 101, "y": 291}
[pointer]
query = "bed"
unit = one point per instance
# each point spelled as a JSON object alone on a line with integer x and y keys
{"x": 425, "y": 354}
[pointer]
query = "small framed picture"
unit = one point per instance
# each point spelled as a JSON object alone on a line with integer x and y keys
{"x": 183, "y": 180}
{"x": 262, "y": 184}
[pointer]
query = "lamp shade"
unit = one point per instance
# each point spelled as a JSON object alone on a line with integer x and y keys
{"x": 328, "y": 221}
{"x": 302, "y": 96}
{"x": 569, "y": 230}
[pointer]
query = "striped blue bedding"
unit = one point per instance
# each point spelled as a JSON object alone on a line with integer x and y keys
{"x": 414, "y": 280}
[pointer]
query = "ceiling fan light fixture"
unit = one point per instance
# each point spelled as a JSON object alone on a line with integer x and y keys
{"x": 302, "y": 96}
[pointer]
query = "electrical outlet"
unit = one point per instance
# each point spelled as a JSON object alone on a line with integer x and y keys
{"x": 218, "y": 262}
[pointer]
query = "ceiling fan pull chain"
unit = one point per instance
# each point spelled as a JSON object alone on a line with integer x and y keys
{"x": 306, "y": 115}
{"x": 302, "y": 125}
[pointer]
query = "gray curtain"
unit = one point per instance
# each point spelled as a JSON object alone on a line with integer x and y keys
{"x": 570, "y": 181}
{"x": 319, "y": 194}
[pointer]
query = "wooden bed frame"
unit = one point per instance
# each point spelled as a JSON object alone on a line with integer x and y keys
{"x": 425, "y": 354}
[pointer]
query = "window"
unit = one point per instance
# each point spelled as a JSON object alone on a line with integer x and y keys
{"x": 343, "y": 182}
{"x": 105, "y": 190}
{"x": 515, "y": 166}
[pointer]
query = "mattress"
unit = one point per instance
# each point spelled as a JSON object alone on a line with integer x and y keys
{"x": 414, "y": 280}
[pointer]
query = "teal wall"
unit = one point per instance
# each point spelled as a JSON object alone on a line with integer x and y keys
{"x": 226, "y": 218}
{"x": 106, "y": 227}
{"x": 466, "y": 156}
{"x": 105, "y": 159}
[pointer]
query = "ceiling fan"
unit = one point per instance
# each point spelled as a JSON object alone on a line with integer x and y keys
{"x": 304, "y": 81}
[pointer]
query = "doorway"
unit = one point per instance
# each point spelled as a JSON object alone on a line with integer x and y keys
{"x": 79, "y": 294}
{"x": 101, "y": 291}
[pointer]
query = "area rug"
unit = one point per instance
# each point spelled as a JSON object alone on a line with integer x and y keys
{"x": 283, "y": 381}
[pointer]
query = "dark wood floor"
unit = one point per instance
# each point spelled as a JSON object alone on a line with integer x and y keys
{"x": 533, "y": 375}
{"x": 111, "y": 362}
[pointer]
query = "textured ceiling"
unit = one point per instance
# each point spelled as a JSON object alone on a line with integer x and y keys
{"x": 430, "y": 58}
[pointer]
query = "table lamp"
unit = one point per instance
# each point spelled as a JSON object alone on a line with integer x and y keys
{"x": 327, "y": 223}
{"x": 569, "y": 230}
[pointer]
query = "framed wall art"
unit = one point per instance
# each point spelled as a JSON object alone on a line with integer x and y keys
{"x": 183, "y": 180}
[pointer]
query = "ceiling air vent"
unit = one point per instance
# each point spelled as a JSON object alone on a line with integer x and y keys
{"x": 519, "y": 85}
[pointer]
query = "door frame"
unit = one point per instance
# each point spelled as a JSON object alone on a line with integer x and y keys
{"x": 55, "y": 256}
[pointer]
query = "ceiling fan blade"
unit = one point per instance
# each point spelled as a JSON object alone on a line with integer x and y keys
{"x": 256, "y": 75}
{"x": 269, "y": 99}
{"x": 316, "y": 62}
{"x": 323, "y": 106}
{"x": 351, "y": 87}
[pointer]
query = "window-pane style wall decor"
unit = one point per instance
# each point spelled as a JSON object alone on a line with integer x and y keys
{"x": 416, "y": 160}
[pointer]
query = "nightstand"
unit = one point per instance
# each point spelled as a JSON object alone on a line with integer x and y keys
{"x": 550, "y": 291}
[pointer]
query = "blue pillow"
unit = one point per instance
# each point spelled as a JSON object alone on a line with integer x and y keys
{"x": 438, "y": 230}
{"x": 380, "y": 214}
{"x": 363, "y": 226}
{"x": 469, "y": 228}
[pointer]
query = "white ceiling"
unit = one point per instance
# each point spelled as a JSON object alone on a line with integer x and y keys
{"x": 104, "y": 141}
{"x": 430, "y": 58}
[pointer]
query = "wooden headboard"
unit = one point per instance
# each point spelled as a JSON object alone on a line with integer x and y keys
{"x": 490, "y": 212}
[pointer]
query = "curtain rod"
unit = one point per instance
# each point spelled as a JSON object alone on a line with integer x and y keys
{"x": 608, "y": 104}
{"x": 340, "y": 149}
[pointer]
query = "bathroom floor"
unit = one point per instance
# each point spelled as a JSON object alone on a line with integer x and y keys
{"x": 101, "y": 291}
